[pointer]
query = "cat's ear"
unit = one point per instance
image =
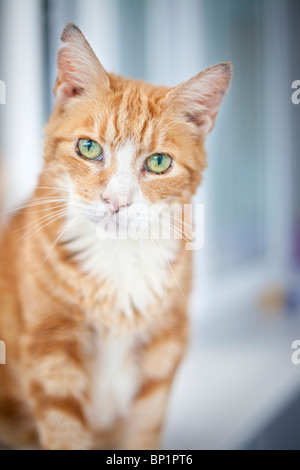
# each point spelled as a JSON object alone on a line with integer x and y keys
{"x": 78, "y": 67}
{"x": 198, "y": 100}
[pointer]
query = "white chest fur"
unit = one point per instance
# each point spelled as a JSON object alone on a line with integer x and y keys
{"x": 136, "y": 269}
{"x": 114, "y": 375}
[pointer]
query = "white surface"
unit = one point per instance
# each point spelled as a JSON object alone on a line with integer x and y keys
{"x": 232, "y": 383}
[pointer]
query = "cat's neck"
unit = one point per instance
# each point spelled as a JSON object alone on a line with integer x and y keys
{"x": 137, "y": 270}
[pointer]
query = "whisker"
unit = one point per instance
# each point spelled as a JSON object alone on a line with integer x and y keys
{"x": 183, "y": 222}
{"x": 178, "y": 220}
{"x": 143, "y": 251}
{"x": 30, "y": 235}
{"x": 35, "y": 229}
{"x": 36, "y": 221}
{"x": 58, "y": 238}
{"x": 50, "y": 208}
{"x": 178, "y": 232}
{"x": 33, "y": 204}
{"x": 51, "y": 187}
{"x": 178, "y": 285}
{"x": 40, "y": 202}
{"x": 164, "y": 280}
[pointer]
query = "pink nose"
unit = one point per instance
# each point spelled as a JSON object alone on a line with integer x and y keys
{"x": 115, "y": 203}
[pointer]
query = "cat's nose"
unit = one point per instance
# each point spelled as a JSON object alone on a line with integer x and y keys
{"x": 115, "y": 203}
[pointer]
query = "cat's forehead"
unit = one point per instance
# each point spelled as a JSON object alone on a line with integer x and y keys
{"x": 125, "y": 112}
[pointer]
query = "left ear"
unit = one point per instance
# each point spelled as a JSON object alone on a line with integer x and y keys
{"x": 79, "y": 70}
{"x": 198, "y": 100}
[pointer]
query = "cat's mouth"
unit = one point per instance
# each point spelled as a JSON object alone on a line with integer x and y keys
{"x": 118, "y": 223}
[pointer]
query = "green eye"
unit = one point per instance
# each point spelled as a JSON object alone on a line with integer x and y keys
{"x": 158, "y": 163}
{"x": 90, "y": 149}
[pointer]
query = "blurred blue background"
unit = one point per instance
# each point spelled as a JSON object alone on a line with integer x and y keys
{"x": 238, "y": 387}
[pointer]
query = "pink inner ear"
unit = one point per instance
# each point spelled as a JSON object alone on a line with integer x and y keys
{"x": 204, "y": 122}
{"x": 66, "y": 91}
{"x": 213, "y": 101}
{"x": 78, "y": 67}
{"x": 208, "y": 110}
{"x": 66, "y": 86}
{"x": 200, "y": 98}
{"x": 202, "y": 109}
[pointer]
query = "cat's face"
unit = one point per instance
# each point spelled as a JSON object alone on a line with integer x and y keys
{"x": 122, "y": 150}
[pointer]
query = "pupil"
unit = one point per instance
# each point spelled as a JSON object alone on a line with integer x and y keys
{"x": 159, "y": 159}
{"x": 89, "y": 145}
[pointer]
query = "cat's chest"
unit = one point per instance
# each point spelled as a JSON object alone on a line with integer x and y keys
{"x": 132, "y": 274}
{"x": 115, "y": 381}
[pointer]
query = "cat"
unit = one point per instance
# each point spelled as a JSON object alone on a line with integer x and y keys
{"x": 95, "y": 324}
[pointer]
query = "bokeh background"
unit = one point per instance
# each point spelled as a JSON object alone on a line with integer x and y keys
{"x": 237, "y": 387}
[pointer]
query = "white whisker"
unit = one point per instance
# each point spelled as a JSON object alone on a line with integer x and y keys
{"x": 178, "y": 220}
{"x": 36, "y": 221}
{"x": 165, "y": 283}
{"x": 180, "y": 233}
{"x": 59, "y": 237}
{"x": 143, "y": 251}
{"x": 26, "y": 236}
{"x": 178, "y": 285}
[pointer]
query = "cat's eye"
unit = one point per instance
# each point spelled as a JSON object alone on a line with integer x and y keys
{"x": 158, "y": 163}
{"x": 90, "y": 149}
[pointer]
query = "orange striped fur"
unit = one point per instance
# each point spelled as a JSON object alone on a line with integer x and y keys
{"x": 95, "y": 329}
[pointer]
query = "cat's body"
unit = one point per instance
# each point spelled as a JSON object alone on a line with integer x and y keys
{"x": 95, "y": 327}
{"x": 124, "y": 356}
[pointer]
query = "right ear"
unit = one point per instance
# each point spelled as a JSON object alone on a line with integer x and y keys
{"x": 78, "y": 67}
{"x": 198, "y": 100}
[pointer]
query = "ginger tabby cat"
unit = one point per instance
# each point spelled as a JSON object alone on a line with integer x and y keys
{"x": 94, "y": 324}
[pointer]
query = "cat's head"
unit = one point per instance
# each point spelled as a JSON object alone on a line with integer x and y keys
{"x": 121, "y": 148}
